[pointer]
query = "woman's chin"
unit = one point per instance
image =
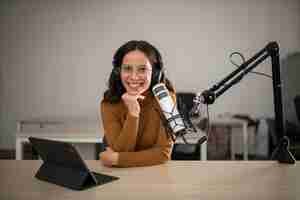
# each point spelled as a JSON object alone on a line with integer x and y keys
{"x": 135, "y": 91}
{"x": 132, "y": 91}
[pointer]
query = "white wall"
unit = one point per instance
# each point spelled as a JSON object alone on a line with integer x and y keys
{"x": 56, "y": 55}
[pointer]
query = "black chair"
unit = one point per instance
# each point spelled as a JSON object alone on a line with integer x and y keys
{"x": 185, "y": 151}
{"x": 297, "y": 106}
{"x": 293, "y": 131}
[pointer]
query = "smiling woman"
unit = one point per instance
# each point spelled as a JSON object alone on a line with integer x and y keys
{"x": 133, "y": 130}
{"x": 136, "y": 72}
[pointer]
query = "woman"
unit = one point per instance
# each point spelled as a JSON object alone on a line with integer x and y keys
{"x": 133, "y": 129}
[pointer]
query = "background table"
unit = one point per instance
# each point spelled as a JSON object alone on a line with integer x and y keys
{"x": 73, "y": 131}
{"x": 175, "y": 180}
{"x": 227, "y": 122}
{"x": 92, "y": 134}
{"x": 72, "y": 136}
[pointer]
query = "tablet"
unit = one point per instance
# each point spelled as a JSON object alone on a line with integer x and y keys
{"x": 63, "y": 165}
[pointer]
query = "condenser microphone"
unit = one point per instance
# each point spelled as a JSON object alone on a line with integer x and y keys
{"x": 170, "y": 112}
{"x": 169, "y": 109}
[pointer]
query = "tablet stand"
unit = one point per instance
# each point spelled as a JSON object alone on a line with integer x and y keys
{"x": 68, "y": 177}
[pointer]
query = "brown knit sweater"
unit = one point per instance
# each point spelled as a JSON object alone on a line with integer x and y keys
{"x": 141, "y": 140}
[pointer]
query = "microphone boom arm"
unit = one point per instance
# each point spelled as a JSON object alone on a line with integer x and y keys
{"x": 281, "y": 153}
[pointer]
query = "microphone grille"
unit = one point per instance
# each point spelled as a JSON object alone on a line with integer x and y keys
{"x": 158, "y": 88}
{"x": 160, "y": 91}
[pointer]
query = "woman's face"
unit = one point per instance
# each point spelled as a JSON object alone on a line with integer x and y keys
{"x": 136, "y": 72}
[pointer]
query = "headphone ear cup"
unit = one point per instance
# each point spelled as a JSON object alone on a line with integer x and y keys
{"x": 156, "y": 77}
{"x": 159, "y": 75}
{"x": 116, "y": 71}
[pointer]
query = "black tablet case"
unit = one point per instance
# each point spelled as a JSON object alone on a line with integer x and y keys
{"x": 63, "y": 166}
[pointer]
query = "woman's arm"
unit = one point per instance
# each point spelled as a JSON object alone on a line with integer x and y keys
{"x": 158, "y": 154}
{"x": 120, "y": 137}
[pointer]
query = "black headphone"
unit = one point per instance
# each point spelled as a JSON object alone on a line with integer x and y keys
{"x": 157, "y": 70}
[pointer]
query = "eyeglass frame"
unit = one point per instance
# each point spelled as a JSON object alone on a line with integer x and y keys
{"x": 139, "y": 70}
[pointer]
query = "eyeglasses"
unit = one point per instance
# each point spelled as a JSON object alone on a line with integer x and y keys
{"x": 140, "y": 70}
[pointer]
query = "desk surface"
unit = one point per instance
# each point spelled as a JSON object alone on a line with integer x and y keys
{"x": 174, "y": 180}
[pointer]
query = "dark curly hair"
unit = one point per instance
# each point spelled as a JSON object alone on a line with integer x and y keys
{"x": 115, "y": 87}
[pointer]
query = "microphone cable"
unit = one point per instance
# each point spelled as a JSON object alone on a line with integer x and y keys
{"x": 243, "y": 61}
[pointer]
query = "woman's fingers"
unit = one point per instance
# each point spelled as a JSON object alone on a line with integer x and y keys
{"x": 109, "y": 157}
{"x": 132, "y": 103}
{"x": 109, "y": 149}
{"x": 133, "y": 96}
{"x": 141, "y": 97}
{"x": 105, "y": 158}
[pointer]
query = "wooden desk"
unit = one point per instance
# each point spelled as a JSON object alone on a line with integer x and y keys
{"x": 259, "y": 180}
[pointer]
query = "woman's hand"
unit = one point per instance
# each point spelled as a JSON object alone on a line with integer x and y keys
{"x": 109, "y": 157}
{"x": 131, "y": 101}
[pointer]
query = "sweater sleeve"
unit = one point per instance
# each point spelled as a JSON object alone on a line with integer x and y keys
{"x": 121, "y": 138}
{"x": 158, "y": 154}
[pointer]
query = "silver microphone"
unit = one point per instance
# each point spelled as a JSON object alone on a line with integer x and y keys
{"x": 170, "y": 112}
{"x": 169, "y": 109}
